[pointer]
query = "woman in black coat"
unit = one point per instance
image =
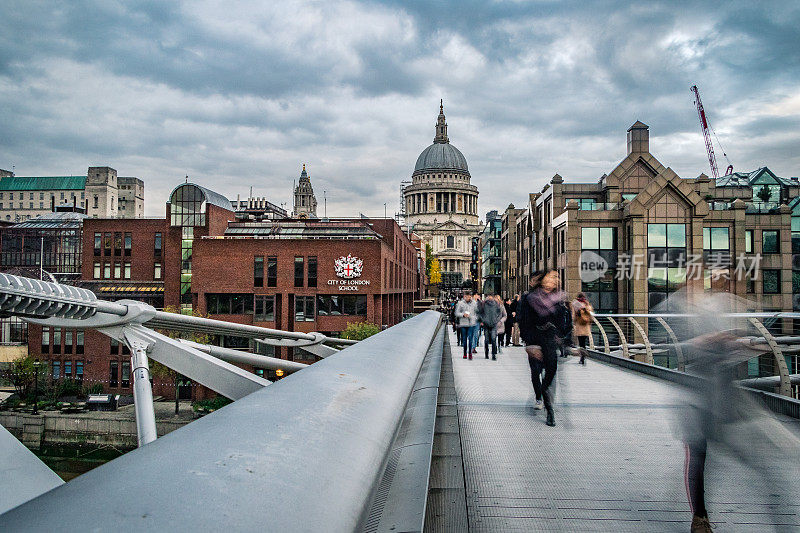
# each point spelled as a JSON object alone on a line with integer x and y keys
{"x": 544, "y": 323}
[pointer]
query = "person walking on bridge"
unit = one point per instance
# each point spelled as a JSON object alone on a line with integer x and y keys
{"x": 467, "y": 315}
{"x": 501, "y": 326}
{"x": 490, "y": 315}
{"x": 542, "y": 317}
{"x": 582, "y": 319}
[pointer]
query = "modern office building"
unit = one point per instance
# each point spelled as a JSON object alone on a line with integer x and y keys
{"x": 298, "y": 275}
{"x": 100, "y": 193}
{"x": 491, "y": 254}
{"x": 641, "y": 232}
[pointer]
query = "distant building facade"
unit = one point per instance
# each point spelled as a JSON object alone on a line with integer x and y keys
{"x": 101, "y": 193}
{"x": 305, "y": 203}
{"x": 491, "y": 254}
{"x": 296, "y": 275}
{"x": 644, "y": 212}
{"x": 509, "y": 282}
{"x": 255, "y": 208}
{"x": 441, "y": 205}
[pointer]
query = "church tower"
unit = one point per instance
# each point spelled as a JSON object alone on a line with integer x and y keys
{"x": 305, "y": 203}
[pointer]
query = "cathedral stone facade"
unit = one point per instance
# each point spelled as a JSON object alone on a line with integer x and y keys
{"x": 441, "y": 205}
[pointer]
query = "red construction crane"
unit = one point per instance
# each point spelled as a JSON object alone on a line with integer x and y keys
{"x": 712, "y": 160}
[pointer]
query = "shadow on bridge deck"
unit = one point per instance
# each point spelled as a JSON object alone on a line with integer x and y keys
{"x": 612, "y": 463}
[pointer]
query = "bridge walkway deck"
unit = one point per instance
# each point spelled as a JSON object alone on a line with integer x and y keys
{"x": 613, "y": 462}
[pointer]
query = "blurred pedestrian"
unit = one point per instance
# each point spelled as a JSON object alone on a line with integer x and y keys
{"x": 542, "y": 317}
{"x": 501, "y": 326}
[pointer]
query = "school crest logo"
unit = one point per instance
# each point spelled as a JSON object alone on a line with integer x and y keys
{"x": 348, "y": 267}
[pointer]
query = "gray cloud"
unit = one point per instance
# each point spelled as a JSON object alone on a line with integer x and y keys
{"x": 241, "y": 94}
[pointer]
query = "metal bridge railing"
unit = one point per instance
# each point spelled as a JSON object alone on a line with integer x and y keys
{"x": 130, "y": 322}
{"x": 632, "y": 336}
{"x": 307, "y": 453}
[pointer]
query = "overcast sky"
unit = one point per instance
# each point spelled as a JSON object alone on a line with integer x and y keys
{"x": 237, "y": 94}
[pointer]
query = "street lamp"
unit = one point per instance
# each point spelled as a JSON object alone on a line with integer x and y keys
{"x": 36, "y": 365}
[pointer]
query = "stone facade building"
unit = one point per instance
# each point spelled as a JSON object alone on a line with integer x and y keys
{"x": 509, "y": 248}
{"x": 100, "y": 193}
{"x": 643, "y": 212}
{"x": 305, "y": 203}
{"x": 441, "y": 205}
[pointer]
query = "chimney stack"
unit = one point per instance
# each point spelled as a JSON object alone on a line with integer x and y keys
{"x": 639, "y": 138}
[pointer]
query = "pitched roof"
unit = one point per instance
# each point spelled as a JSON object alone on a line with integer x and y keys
{"x": 746, "y": 179}
{"x": 42, "y": 183}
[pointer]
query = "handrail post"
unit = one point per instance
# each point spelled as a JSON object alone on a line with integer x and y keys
{"x": 678, "y": 349}
{"x": 621, "y": 337}
{"x": 786, "y": 385}
{"x": 647, "y": 347}
{"x": 602, "y": 334}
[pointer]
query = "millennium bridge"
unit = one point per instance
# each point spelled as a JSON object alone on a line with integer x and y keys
{"x": 399, "y": 433}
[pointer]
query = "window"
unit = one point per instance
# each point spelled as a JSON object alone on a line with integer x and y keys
{"x": 229, "y": 304}
{"x": 304, "y": 308}
{"x": 771, "y": 281}
{"x": 56, "y": 340}
{"x": 107, "y": 244}
{"x": 127, "y": 270}
{"x": 114, "y": 347}
{"x": 336, "y": 305}
{"x": 96, "y": 273}
{"x": 68, "y": 341}
{"x": 113, "y": 374}
{"x": 107, "y": 270}
{"x": 666, "y": 261}
{"x": 128, "y": 244}
{"x": 264, "y": 308}
{"x": 258, "y": 272}
{"x": 770, "y": 242}
{"x": 157, "y": 245}
{"x": 117, "y": 270}
{"x": 41, "y": 196}
{"x": 126, "y": 374}
{"x": 748, "y": 241}
{"x": 584, "y": 204}
{"x": 598, "y": 238}
{"x": 628, "y": 197}
{"x": 56, "y": 369}
{"x": 272, "y": 272}
{"x": 79, "y": 342}
{"x": 79, "y": 370}
{"x": 45, "y": 340}
{"x": 96, "y": 199}
{"x": 298, "y": 271}
{"x": 715, "y": 239}
{"x": 157, "y": 271}
{"x": 451, "y": 241}
{"x": 312, "y": 271}
{"x": 98, "y": 243}
{"x": 117, "y": 243}
{"x": 67, "y": 369}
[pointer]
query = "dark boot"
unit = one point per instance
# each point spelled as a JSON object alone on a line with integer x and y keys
{"x": 548, "y": 405}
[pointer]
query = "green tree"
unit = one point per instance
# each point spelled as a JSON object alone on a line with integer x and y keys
{"x": 764, "y": 194}
{"x": 428, "y": 259}
{"x": 436, "y": 272}
{"x": 358, "y": 331}
{"x": 162, "y": 371}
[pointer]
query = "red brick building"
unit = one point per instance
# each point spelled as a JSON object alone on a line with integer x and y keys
{"x": 277, "y": 274}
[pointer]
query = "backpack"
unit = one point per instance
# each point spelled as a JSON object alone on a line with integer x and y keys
{"x": 582, "y": 317}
